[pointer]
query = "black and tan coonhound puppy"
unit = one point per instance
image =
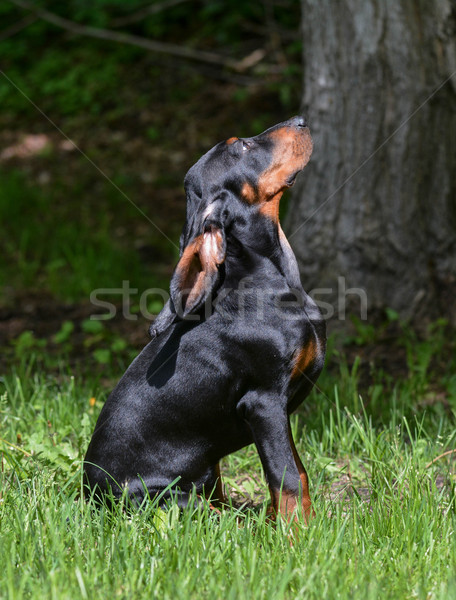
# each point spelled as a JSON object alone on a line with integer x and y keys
{"x": 237, "y": 339}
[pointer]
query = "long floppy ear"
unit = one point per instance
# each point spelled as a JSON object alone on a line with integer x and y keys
{"x": 197, "y": 272}
{"x": 197, "y": 207}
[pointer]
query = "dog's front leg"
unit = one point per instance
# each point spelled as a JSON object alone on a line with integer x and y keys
{"x": 268, "y": 421}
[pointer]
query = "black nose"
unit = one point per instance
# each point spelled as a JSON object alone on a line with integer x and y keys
{"x": 299, "y": 121}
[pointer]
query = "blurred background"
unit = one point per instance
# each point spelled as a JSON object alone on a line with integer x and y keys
{"x": 104, "y": 105}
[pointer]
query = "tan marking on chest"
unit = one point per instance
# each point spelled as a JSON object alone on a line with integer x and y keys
{"x": 270, "y": 208}
{"x": 303, "y": 358}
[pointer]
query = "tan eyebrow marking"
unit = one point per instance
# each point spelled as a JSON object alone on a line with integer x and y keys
{"x": 248, "y": 193}
{"x": 232, "y": 140}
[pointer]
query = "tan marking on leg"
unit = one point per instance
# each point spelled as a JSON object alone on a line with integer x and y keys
{"x": 216, "y": 495}
{"x": 284, "y": 503}
{"x": 306, "y": 502}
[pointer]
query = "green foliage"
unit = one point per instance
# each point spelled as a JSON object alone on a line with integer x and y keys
{"x": 25, "y": 342}
{"x": 106, "y": 346}
{"x": 65, "y": 332}
{"x": 64, "y": 83}
{"x": 365, "y": 332}
{"x": 102, "y": 355}
{"x": 99, "y": 344}
{"x": 69, "y": 75}
{"x": 92, "y": 326}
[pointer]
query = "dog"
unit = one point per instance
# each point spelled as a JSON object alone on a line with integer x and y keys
{"x": 237, "y": 339}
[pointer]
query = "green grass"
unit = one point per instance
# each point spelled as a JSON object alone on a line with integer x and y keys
{"x": 385, "y": 518}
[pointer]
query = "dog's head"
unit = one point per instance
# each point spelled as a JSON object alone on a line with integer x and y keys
{"x": 237, "y": 176}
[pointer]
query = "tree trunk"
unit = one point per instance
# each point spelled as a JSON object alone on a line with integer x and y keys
{"x": 377, "y": 203}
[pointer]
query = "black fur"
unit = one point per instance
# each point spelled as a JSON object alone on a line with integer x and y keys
{"x": 224, "y": 363}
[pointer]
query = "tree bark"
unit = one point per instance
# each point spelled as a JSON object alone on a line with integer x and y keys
{"x": 377, "y": 203}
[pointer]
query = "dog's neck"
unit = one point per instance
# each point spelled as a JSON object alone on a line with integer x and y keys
{"x": 270, "y": 245}
{"x": 289, "y": 262}
{"x": 284, "y": 260}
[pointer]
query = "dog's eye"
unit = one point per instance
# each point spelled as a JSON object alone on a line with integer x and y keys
{"x": 245, "y": 146}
